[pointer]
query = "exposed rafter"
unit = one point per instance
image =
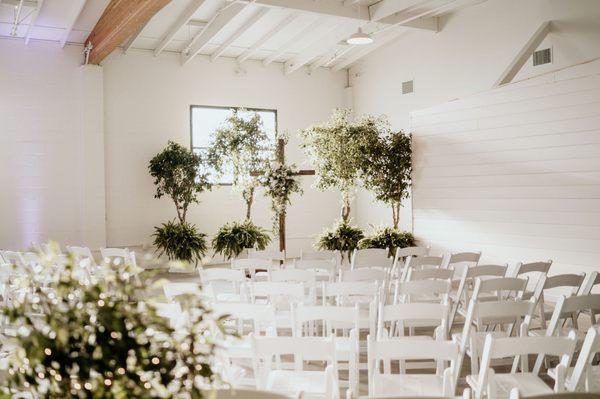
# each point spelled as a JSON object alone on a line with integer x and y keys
{"x": 33, "y": 19}
{"x": 267, "y": 36}
{"x": 247, "y": 25}
{"x": 181, "y": 21}
{"x": 385, "y": 8}
{"x": 74, "y": 13}
{"x": 282, "y": 49}
{"x": 320, "y": 46}
{"x": 335, "y": 8}
{"x": 218, "y": 22}
{"x": 523, "y": 55}
{"x": 329, "y": 58}
{"x": 120, "y": 20}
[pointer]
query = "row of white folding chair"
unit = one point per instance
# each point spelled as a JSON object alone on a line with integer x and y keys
{"x": 487, "y": 383}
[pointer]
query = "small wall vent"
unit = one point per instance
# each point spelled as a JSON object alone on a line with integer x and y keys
{"x": 408, "y": 87}
{"x": 542, "y": 57}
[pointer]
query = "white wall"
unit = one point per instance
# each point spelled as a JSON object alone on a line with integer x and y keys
{"x": 514, "y": 172}
{"x": 52, "y": 174}
{"x": 467, "y": 56}
{"x": 147, "y": 102}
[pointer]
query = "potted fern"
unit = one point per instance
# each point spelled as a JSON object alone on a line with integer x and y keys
{"x": 176, "y": 174}
{"x": 385, "y": 170}
{"x": 240, "y": 146}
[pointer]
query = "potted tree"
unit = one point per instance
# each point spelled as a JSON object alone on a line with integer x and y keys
{"x": 242, "y": 145}
{"x": 334, "y": 148}
{"x": 386, "y": 170}
{"x": 176, "y": 174}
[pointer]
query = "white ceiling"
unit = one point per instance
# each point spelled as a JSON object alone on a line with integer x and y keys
{"x": 300, "y": 33}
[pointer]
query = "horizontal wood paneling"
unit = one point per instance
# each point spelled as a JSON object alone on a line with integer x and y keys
{"x": 514, "y": 172}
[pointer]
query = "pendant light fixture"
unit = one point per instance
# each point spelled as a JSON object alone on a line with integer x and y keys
{"x": 360, "y": 38}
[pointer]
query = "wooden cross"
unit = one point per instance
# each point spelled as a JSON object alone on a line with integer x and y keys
{"x": 304, "y": 172}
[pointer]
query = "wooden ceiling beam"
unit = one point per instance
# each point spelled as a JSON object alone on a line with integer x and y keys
{"x": 120, "y": 20}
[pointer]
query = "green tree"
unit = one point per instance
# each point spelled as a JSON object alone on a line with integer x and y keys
{"x": 176, "y": 172}
{"x": 242, "y": 144}
{"x": 334, "y": 148}
{"x": 386, "y": 164}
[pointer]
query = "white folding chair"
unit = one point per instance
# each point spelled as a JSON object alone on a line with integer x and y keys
{"x": 81, "y": 253}
{"x": 466, "y": 284}
{"x": 430, "y": 274}
{"x": 443, "y": 383}
{"x": 323, "y": 263}
{"x": 281, "y": 295}
{"x": 118, "y": 256}
{"x": 254, "y": 267}
{"x": 174, "y": 289}
{"x": 348, "y": 293}
{"x": 431, "y": 291}
{"x": 458, "y": 261}
{"x": 501, "y": 317}
{"x": 224, "y": 284}
{"x": 533, "y": 271}
{"x": 488, "y": 383}
{"x": 14, "y": 258}
{"x": 315, "y": 383}
{"x": 371, "y": 258}
{"x": 333, "y": 321}
{"x": 585, "y": 377}
{"x": 569, "y": 284}
{"x": 591, "y": 280}
{"x": 274, "y": 256}
{"x": 421, "y": 262}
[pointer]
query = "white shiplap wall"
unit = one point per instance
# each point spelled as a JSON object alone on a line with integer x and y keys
{"x": 514, "y": 172}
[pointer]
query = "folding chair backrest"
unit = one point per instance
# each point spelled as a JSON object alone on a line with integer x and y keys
{"x": 303, "y": 349}
{"x": 14, "y": 258}
{"x": 402, "y": 256}
{"x": 571, "y": 307}
{"x": 487, "y": 271}
{"x": 589, "y": 349}
{"x": 262, "y": 315}
{"x": 366, "y": 274}
{"x": 501, "y": 312}
{"x": 222, "y": 274}
{"x": 173, "y": 290}
{"x": 332, "y": 317}
{"x": 371, "y": 257}
{"x": 350, "y": 292}
{"x": 317, "y": 265}
{"x": 278, "y": 293}
{"x": 251, "y": 265}
{"x": 292, "y": 275}
{"x": 497, "y": 348}
{"x": 503, "y": 287}
{"x": 421, "y": 262}
{"x": 413, "y": 291}
{"x": 430, "y": 274}
{"x": 266, "y": 255}
{"x": 462, "y": 260}
{"x": 81, "y": 253}
{"x": 533, "y": 270}
{"x": 118, "y": 255}
{"x": 427, "y": 314}
{"x": 591, "y": 280}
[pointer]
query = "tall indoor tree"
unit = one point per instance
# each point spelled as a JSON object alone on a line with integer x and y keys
{"x": 242, "y": 145}
{"x": 334, "y": 149}
{"x": 176, "y": 172}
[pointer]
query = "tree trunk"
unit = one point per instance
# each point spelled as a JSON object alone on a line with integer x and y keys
{"x": 249, "y": 197}
{"x": 346, "y": 212}
{"x": 396, "y": 214}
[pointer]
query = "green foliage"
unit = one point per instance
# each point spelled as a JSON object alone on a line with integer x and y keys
{"x": 341, "y": 237}
{"x": 386, "y": 166}
{"x": 180, "y": 241}
{"x": 242, "y": 144}
{"x": 176, "y": 174}
{"x": 336, "y": 148}
{"x": 234, "y": 237}
{"x": 93, "y": 338}
{"x": 388, "y": 237}
{"x": 280, "y": 183}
